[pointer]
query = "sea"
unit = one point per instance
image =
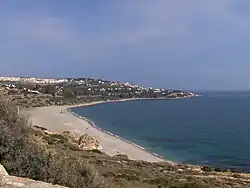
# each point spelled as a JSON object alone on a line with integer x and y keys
{"x": 211, "y": 130}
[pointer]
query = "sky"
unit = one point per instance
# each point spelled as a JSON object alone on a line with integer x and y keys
{"x": 181, "y": 44}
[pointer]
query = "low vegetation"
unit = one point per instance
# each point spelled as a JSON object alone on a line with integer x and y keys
{"x": 28, "y": 152}
{"x": 24, "y": 154}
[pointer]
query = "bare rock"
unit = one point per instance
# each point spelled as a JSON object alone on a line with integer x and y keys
{"x": 16, "y": 182}
{"x": 39, "y": 128}
{"x": 3, "y": 172}
{"x": 84, "y": 142}
{"x": 88, "y": 142}
{"x": 7, "y": 181}
{"x": 72, "y": 137}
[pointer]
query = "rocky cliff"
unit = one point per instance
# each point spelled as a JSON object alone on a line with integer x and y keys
{"x": 7, "y": 181}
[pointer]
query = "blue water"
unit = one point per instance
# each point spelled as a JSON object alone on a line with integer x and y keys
{"x": 213, "y": 129}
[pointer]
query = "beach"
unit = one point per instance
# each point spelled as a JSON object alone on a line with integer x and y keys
{"x": 59, "y": 119}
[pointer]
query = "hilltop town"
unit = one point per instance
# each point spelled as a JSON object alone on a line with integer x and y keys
{"x": 42, "y": 92}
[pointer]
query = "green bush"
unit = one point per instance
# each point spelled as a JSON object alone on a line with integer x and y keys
{"x": 68, "y": 93}
{"x": 58, "y": 137}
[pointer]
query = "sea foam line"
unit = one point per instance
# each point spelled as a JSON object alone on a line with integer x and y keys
{"x": 92, "y": 123}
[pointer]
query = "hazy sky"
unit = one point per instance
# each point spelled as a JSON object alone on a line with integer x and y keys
{"x": 182, "y": 44}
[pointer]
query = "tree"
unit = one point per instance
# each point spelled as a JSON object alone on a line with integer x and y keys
{"x": 68, "y": 93}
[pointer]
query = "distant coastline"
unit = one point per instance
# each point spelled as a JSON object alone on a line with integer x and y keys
{"x": 131, "y": 99}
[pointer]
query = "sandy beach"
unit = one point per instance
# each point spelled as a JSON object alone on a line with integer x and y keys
{"x": 55, "y": 121}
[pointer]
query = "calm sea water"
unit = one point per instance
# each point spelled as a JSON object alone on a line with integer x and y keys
{"x": 213, "y": 129}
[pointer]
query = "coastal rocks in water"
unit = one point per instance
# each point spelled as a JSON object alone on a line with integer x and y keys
{"x": 17, "y": 182}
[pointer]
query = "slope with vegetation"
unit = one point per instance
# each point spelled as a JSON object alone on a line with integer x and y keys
{"x": 31, "y": 153}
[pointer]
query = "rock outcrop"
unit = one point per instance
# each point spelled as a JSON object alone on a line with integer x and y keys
{"x": 88, "y": 142}
{"x": 7, "y": 181}
{"x": 84, "y": 142}
{"x": 71, "y": 136}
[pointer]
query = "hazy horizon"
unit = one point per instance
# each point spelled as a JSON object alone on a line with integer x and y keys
{"x": 191, "y": 45}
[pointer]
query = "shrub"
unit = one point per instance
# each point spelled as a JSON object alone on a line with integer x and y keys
{"x": 23, "y": 154}
{"x": 95, "y": 151}
{"x": 121, "y": 156}
{"x": 68, "y": 93}
{"x": 220, "y": 169}
{"x": 58, "y": 137}
{"x": 207, "y": 169}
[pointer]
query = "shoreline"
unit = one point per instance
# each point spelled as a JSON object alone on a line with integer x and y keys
{"x": 92, "y": 123}
{"x": 62, "y": 118}
{"x": 127, "y": 99}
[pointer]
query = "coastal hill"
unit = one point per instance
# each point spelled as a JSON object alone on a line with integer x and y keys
{"x": 67, "y": 159}
{"x": 35, "y": 92}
